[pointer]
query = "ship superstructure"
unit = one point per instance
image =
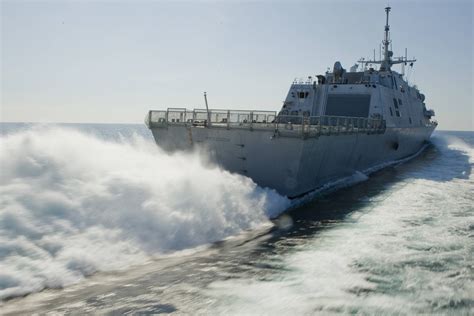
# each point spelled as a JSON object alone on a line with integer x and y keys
{"x": 329, "y": 127}
{"x": 381, "y": 93}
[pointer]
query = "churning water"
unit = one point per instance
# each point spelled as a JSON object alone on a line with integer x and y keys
{"x": 75, "y": 200}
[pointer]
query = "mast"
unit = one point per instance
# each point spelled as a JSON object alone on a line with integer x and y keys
{"x": 386, "y": 52}
{"x": 386, "y": 60}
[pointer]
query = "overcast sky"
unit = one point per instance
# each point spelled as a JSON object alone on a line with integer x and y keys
{"x": 112, "y": 61}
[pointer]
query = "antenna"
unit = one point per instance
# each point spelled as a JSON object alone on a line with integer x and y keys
{"x": 404, "y": 62}
{"x": 207, "y": 110}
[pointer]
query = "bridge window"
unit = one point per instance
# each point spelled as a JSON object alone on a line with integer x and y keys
{"x": 400, "y": 102}
{"x": 410, "y": 120}
{"x": 391, "y": 112}
{"x": 397, "y": 112}
{"x": 395, "y": 103}
{"x": 303, "y": 95}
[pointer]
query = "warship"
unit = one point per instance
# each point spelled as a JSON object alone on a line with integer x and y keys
{"x": 329, "y": 127}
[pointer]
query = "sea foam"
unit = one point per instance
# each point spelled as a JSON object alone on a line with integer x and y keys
{"x": 72, "y": 204}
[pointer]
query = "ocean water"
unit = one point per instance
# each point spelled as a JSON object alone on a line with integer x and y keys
{"x": 96, "y": 219}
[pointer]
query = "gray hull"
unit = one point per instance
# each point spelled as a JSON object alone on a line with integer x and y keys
{"x": 294, "y": 166}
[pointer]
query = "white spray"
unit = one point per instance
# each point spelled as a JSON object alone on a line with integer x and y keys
{"x": 71, "y": 204}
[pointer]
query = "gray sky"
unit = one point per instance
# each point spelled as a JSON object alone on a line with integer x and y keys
{"x": 112, "y": 61}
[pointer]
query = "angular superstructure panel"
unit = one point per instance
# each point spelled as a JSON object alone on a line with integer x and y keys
{"x": 351, "y": 105}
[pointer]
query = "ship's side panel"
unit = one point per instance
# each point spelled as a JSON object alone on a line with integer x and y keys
{"x": 294, "y": 165}
{"x": 332, "y": 157}
{"x": 273, "y": 161}
{"x": 270, "y": 161}
{"x": 172, "y": 137}
{"x": 325, "y": 158}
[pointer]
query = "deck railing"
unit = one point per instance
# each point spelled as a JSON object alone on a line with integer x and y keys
{"x": 285, "y": 125}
